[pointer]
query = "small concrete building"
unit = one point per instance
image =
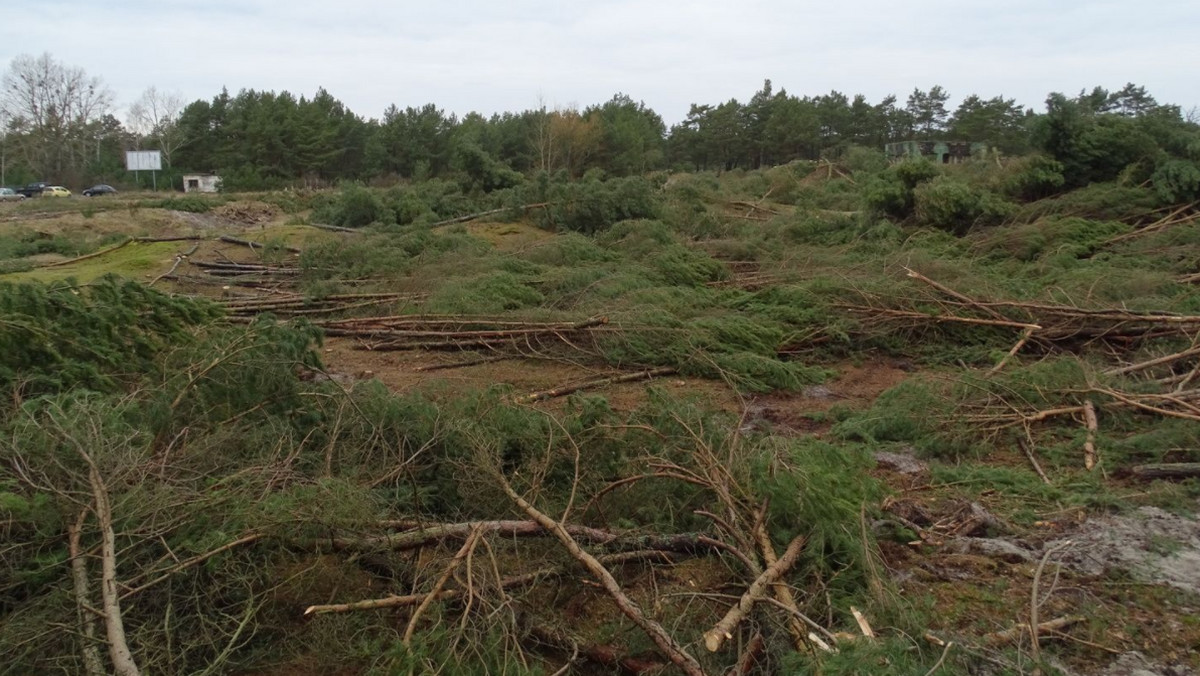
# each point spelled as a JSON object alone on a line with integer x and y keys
{"x": 201, "y": 183}
{"x": 938, "y": 152}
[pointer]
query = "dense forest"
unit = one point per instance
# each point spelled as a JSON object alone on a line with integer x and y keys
{"x": 59, "y": 124}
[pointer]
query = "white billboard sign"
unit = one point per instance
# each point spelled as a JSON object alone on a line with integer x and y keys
{"x": 143, "y": 160}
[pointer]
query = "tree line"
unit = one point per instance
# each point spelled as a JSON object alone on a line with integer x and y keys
{"x": 60, "y": 124}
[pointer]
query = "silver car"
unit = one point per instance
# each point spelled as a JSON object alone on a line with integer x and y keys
{"x": 9, "y": 195}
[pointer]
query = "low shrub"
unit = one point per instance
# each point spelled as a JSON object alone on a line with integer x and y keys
{"x": 956, "y": 207}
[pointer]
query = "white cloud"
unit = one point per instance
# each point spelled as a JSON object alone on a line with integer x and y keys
{"x": 491, "y": 56}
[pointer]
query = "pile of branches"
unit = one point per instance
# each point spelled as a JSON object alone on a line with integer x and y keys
{"x": 1051, "y": 327}
{"x": 299, "y": 305}
{"x": 457, "y": 332}
{"x": 231, "y": 269}
{"x": 763, "y": 612}
{"x": 1119, "y": 375}
{"x": 1182, "y": 215}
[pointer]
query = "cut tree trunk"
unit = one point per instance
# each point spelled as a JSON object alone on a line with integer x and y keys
{"x": 92, "y": 664}
{"x": 723, "y": 630}
{"x": 118, "y": 647}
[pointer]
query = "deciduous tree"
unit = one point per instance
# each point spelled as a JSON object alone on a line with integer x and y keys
{"x": 154, "y": 117}
{"x": 51, "y": 107}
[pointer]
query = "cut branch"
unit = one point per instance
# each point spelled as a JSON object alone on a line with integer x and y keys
{"x": 723, "y": 629}
{"x": 489, "y": 212}
{"x": 1027, "y": 449}
{"x": 1089, "y": 445}
{"x": 462, "y": 364}
{"x": 596, "y": 383}
{"x": 245, "y": 242}
{"x": 674, "y": 651}
{"x": 1141, "y": 366}
{"x": 512, "y": 582}
{"x": 466, "y": 549}
{"x": 782, "y": 592}
{"x": 198, "y": 559}
{"x": 1013, "y": 352}
{"x": 1016, "y": 632}
{"x": 95, "y": 254}
{"x": 749, "y": 658}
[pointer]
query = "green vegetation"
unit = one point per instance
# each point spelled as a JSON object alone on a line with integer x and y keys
{"x": 213, "y": 461}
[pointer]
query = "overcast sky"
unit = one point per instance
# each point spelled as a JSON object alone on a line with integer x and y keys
{"x": 498, "y": 55}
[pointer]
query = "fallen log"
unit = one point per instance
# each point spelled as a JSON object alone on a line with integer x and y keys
{"x": 420, "y": 534}
{"x": 93, "y": 666}
{"x": 466, "y": 344}
{"x": 1016, "y": 632}
{"x": 216, "y": 265}
{"x": 595, "y": 383}
{"x": 433, "y": 335}
{"x": 244, "y": 272}
{"x": 94, "y": 254}
{"x": 465, "y": 335}
{"x": 1141, "y": 366}
{"x": 462, "y": 364}
{"x": 118, "y": 648}
{"x": 415, "y": 599}
{"x": 454, "y": 324}
{"x": 511, "y": 582}
{"x": 482, "y": 214}
{"x": 252, "y": 244}
{"x": 175, "y": 238}
{"x": 297, "y": 300}
{"x": 333, "y": 228}
{"x": 909, "y": 314}
{"x": 753, "y": 207}
{"x": 205, "y": 281}
{"x": 1167, "y": 470}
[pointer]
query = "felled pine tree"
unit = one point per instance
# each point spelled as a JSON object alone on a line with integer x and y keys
{"x": 62, "y": 335}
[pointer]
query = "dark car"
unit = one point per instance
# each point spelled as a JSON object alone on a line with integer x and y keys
{"x": 101, "y": 189}
{"x": 34, "y": 189}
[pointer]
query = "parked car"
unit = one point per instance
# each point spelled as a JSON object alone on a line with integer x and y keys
{"x": 55, "y": 191}
{"x": 99, "y": 189}
{"x": 34, "y": 189}
{"x": 10, "y": 195}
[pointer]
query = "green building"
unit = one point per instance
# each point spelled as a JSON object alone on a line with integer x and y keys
{"x": 940, "y": 152}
